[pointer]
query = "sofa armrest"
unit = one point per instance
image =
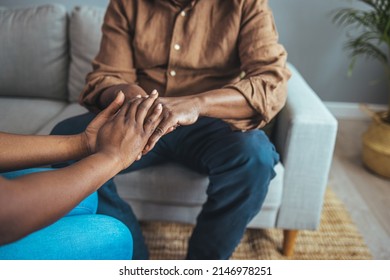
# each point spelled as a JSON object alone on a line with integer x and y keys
{"x": 305, "y": 138}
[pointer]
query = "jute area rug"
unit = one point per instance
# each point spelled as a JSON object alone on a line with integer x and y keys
{"x": 336, "y": 239}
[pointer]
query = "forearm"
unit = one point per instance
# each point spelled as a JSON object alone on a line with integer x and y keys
{"x": 31, "y": 202}
{"x": 185, "y": 110}
{"x": 23, "y": 151}
{"x": 224, "y": 104}
{"x": 109, "y": 94}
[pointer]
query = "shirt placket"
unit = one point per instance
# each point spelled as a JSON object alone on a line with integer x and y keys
{"x": 176, "y": 49}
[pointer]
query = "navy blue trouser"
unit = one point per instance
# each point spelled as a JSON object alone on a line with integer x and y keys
{"x": 240, "y": 168}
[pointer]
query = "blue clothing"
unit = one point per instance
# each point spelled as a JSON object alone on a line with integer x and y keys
{"x": 240, "y": 166}
{"x": 80, "y": 235}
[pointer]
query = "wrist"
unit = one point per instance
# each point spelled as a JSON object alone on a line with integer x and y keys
{"x": 110, "y": 160}
{"x": 199, "y": 101}
{"x": 73, "y": 146}
{"x": 81, "y": 141}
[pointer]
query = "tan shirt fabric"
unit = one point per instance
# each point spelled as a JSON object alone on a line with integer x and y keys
{"x": 182, "y": 49}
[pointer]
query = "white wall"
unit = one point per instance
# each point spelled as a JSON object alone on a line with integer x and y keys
{"x": 314, "y": 45}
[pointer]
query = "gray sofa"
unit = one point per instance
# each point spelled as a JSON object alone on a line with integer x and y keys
{"x": 45, "y": 53}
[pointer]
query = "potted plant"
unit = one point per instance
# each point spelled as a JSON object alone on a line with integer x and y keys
{"x": 371, "y": 27}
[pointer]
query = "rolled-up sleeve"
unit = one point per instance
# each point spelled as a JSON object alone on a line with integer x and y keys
{"x": 263, "y": 60}
{"x": 114, "y": 63}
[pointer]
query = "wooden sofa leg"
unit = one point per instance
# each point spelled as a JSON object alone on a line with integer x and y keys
{"x": 289, "y": 238}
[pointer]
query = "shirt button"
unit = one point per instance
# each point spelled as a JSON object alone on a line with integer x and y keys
{"x": 183, "y": 13}
{"x": 172, "y": 73}
{"x": 176, "y": 47}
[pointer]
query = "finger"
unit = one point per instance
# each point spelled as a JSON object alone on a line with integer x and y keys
{"x": 156, "y": 101}
{"x": 114, "y": 106}
{"x": 160, "y": 131}
{"x": 110, "y": 111}
{"x": 146, "y": 150}
{"x": 123, "y": 111}
{"x": 172, "y": 128}
{"x": 132, "y": 108}
{"x": 149, "y": 147}
{"x": 153, "y": 120}
{"x": 150, "y": 129}
{"x": 145, "y": 106}
{"x": 135, "y": 98}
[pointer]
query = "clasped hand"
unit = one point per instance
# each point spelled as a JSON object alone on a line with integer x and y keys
{"x": 127, "y": 129}
{"x": 122, "y": 130}
{"x": 176, "y": 111}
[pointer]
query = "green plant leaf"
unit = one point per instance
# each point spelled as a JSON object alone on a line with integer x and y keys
{"x": 370, "y": 33}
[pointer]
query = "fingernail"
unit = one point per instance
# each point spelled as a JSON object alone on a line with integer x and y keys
{"x": 138, "y": 96}
{"x": 146, "y": 148}
{"x": 154, "y": 91}
{"x": 159, "y": 106}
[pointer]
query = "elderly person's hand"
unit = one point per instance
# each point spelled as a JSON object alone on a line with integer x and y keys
{"x": 176, "y": 111}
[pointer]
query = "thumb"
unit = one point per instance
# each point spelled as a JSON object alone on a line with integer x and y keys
{"x": 115, "y": 105}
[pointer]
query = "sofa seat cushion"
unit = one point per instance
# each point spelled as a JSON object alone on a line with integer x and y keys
{"x": 71, "y": 110}
{"x": 27, "y": 116}
{"x": 171, "y": 186}
{"x": 34, "y": 52}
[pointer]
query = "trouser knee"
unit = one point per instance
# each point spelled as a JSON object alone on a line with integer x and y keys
{"x": 252, "y": 154}
{"x": 247, "y": 170}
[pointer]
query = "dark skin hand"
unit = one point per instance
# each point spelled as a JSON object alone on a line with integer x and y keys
{"x": 187, "y": 109}
{"x": 112, "y": 141}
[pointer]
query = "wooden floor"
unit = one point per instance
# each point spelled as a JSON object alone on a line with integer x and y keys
{"x": 366, "y": 196}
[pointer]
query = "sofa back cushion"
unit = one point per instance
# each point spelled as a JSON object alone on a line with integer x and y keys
{"x": 85, "y": 35}
{"x": 34, "y": 52}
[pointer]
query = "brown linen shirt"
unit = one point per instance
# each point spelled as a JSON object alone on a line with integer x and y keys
{"x": 183, "y": 49}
